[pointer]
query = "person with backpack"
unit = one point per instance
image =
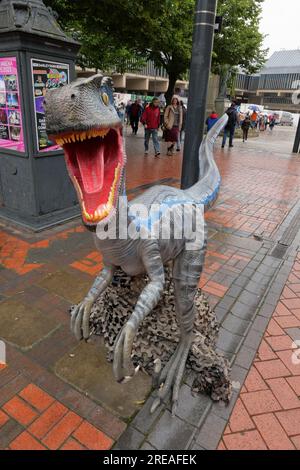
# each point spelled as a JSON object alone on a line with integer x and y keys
{"x": 151, "y": 121}
{"x": 135, "y": 112}
{"x": 246, "y": 124}
{"x": 231, "y": 124}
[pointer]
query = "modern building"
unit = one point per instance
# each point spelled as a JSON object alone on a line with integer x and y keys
{"x": 148, "y": 80}
{"x": 153, "y": 81}
{"x": 275, "y": 87}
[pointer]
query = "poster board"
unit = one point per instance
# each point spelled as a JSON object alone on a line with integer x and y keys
{"x": 45, "y": 75}
{"x": 11, "y": 127}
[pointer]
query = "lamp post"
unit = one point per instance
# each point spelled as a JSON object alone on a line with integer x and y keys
{"x": 204, "y": 27}
{"x": 296, "y": 148}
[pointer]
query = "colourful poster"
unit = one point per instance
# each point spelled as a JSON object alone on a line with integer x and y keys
{"x": 45, "y": 76}
{"x": 11, "y": 131}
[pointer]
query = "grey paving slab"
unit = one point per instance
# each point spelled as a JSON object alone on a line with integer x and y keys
{"x": 144, "y": 419}
{"x": 227, "y": 341}
{"x": 131, "y": 439}
{"x": 171, "y": 433}
{"x": 260, "y": 323}
{"x": 192, "y": 408}
{"x": 245, "y": 357}
{"x": 210, "y": 433}
{"x": 236, "y": 325}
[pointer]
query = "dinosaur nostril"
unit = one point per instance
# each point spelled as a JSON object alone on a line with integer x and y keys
{"x": 73, "y": 96}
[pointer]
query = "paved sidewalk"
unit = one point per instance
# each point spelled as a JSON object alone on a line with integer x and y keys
{"x": 52, "y": 391}
{"x": 267, "y": 413}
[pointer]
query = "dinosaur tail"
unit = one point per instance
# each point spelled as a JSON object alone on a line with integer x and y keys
{"x": 206, "y": 190}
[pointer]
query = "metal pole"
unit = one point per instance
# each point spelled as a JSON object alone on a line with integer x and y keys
{"x": 205, "y": 17}
{"x": 296, "y": 148}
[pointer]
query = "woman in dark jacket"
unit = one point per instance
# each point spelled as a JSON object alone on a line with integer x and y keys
{"x": 246, "y": 124}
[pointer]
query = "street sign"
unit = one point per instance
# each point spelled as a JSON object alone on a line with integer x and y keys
{"x": 218, "y": 24}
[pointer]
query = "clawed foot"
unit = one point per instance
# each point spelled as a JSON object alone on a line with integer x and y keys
{"x": 171, "y": 376}
{"x": 80, "y": 319}
{"x": 122, "y": 366}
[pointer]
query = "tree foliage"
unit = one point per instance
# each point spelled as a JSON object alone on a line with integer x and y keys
{"x": 117, "y": 34}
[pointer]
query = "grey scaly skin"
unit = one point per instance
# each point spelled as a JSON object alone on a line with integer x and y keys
{"x": 77, "y": 117}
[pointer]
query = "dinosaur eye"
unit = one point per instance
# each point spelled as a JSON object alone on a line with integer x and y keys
{"x": 105, "y": 99}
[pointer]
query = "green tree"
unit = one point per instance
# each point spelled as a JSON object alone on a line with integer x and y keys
{"x": 113, "y": 31}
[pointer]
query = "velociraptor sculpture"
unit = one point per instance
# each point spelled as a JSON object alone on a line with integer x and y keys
{"x": 82, "y": 118}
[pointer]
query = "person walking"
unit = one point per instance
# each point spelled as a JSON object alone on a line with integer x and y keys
{"x": 172, "y": 123}
{"x": 272, "y": 123}
{"x": 230, "y": 126}
{"x": 151, "y": 121}
{"x": 181, "y": 133}
{"x": 211, "y": 120}
{"x": 246, "y": 124}
{"x": 135, "y": 112}
{"x": 121, "y": 110}
{"x": 254, "y": 117}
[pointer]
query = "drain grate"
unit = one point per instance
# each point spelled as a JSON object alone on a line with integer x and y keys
{"x": 292, "y": 230}
{"x": 279, "y": 251}
{"x": 287, "y": 238}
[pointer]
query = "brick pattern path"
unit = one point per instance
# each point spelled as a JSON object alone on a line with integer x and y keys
{"x": 53, "y": 270}
{"x": 47, "y": 424}
{"x": 267, "y": 413}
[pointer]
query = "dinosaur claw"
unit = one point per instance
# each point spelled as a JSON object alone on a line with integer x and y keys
{"x": 127, "y": 378}
{"x": 174, "y": 408}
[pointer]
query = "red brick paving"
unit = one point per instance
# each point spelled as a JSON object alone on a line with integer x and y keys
{"x": 258, "y": 192}
{"x": 52, "y": 425}
{"x": 271, "y": 393}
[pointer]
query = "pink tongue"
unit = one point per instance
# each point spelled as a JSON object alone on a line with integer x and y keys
{"x": 91, "y": 164}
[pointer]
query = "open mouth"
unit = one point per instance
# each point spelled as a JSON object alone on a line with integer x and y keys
{"x": 95, "y": 162}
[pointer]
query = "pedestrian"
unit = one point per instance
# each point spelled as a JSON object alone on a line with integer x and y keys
{"x": 272, "y": 123}
{"x": 181, "y": 133}
{"x": 172, "y": 123}
{"x": 254, "y": 117}
{"x": 151, "y": 121}
{"x": 121, "y": 110}
{"x": 127, "y": 111}
{"x": 262, "y": 126}
{"x": 135, "y": 113}
{"x": 230, "y": 126}
{"x": 211, "y": 120}
{"x": 246, "y": 124}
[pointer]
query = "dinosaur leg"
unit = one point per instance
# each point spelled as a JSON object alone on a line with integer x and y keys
{"x": 149, "y": 298}
{"x": 186, "y": 274}
{"x": 81, "y": 315}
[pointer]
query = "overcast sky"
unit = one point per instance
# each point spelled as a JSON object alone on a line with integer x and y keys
{"x": 281, "y": 21}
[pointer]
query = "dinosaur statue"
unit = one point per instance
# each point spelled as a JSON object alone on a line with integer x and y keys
{"x": 81, "y": 117}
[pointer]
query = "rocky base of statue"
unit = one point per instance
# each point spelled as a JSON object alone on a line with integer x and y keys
{"x": 158, "y": 336}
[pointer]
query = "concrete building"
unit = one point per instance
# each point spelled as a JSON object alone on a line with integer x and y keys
{"x": 150, "y": 80}
{"x": 275, "y": 87}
